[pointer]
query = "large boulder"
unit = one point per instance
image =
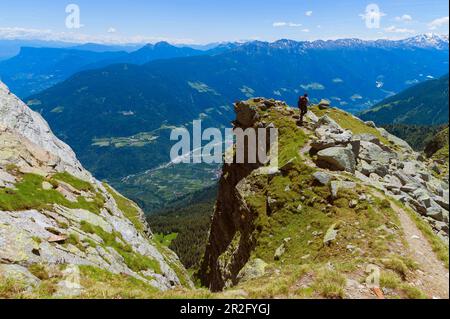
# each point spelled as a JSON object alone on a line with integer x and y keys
{"x": 337, "y": 158}
{"x": 322, "y": 178}
{"x": 324, "y": 104}
{"x": 371, "y": 152}
{"x": 329, "y": 134}
{"x": 255, "y": 268}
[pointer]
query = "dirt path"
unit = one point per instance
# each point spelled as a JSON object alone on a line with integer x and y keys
{"x": 432, "y": 277}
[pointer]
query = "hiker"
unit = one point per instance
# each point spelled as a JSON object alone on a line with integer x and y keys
{"x": 303, "y": 103}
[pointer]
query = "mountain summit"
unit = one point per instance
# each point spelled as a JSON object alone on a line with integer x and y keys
{"x": 62, "y": 232}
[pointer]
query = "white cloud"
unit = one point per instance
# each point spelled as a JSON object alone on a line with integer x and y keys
{"x": 286, "y": 24}
{"x": 394, "y": 29}
{"x": 18, "y": 33}
{"x": 404, "y": 18}
{"x": 308, "y": 13}
{"x": 305, "y": 30}
{"x": 112, "y": 30}
{"x": 279, "y": 24}
{"x": 437, "y": 23}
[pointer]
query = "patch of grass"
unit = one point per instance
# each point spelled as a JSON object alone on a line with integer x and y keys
{"x": 29, "y": 194}
{"x": 128, "y": 208}
{"x": 37, "y": 240}
{"x": 74, "y": 240}
{"x": 165, "y": 240}
{"x": 39, "y": 271}
{"x": 102, "y": 284}
{"x": 11, "y": 289}
{"x": 74, "y": 182}
{"x": 133, "y": 260}
{"x": 291, "y": 137}
{"x": 390, "y": 279}
{"x": 397, "y": 265}
{"x": 281, "y": 285}
{"x": 412, "y": 292}
{"x": 330, "y": 284}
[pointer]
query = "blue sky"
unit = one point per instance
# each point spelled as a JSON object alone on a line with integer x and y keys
{"x": 203, "y": 21}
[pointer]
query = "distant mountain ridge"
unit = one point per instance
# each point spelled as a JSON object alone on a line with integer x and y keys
{"x": 423, "y": 104}
{"x": 36, "y": 69}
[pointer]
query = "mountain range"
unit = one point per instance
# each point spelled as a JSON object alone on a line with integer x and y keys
{"x": 118, "y": 118}
{"x": 36, "y": 69}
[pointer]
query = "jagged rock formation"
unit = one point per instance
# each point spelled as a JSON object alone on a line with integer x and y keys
{"x": 54, "y": 214}
{"x": 347, "y": 196}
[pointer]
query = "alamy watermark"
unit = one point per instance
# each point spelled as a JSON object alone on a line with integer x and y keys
{"x": 372, "y": 16}
{"x": 213, "y": 146}
{"x": 73, "y": 18}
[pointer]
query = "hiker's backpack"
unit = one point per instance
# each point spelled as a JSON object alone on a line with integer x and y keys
{"x": 303, "y": 103}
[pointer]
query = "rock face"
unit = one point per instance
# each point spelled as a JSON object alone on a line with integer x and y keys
{"x": 53, "y": 212}
{"x": 16, "y": 117}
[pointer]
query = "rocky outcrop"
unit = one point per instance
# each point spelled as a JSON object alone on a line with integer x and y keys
{"x": 344, "y": 165}
{"x": 54, "y": 213}
{"x": 337, "y": 158}
{"x": 232, "y": 236}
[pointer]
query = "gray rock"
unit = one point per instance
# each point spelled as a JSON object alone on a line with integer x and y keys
{"x": 330, "y": 235}
{"x": 19, "y": 274}
{"x": 398, "y": 141}
{"x": 404, "y": 179}
{"x": 46, "y": 186}
{"x": 324, "y": 104}
{"x": 335, "y": 186}
{"x": 322, "y": 178}
{"x": 366, "y": 137}
{"x": 280, "y": 252}
{"x": 442, "y": 202}
{"x": 371, "y": 152}
{"x": 365, "y": 168}
{"x": 409, "y": 188}
{"x": 254, "y": 269}
{"x": 337, "y": 158}
{"x": 328, "y": 121}
{"x": 370, "y": 124}
{"x": 6, "y": 179}
{"x": 410, "y": 168}
{"x": 353, "y": 203}
{"x": 435, "y": 214}
{"x": 28, "y": 237}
